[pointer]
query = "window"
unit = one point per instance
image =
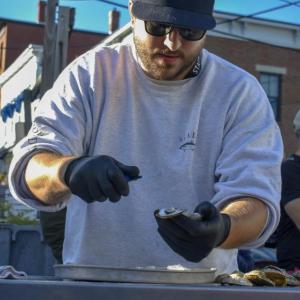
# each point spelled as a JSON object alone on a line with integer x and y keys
{"x": 272, "y": 86}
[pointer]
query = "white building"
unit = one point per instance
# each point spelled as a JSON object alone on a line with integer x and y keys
{"x": 17, "y": 91}
{"x": 17, "y": 84}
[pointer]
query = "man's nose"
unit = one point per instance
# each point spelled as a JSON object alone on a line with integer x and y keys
{"x": 173, "y": 40}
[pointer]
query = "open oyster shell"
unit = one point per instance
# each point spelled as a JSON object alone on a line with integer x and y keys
{"x": 236, "y": 278}
{"x": 291, "y": 280}
{"x": 258, "y": 277}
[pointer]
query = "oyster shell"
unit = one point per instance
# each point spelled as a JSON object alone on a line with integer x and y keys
{"x": 277, "y": 276}
{"x": 267, "y": 276}
{"x": 258, "y": 277}
{"x": 236, "y": 278}
{"x": 291, "y": 279}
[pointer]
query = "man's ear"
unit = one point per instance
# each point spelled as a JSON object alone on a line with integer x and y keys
{"x": 132, "y": 18}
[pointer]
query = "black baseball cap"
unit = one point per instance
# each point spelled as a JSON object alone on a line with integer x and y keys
{"x": 197, "y": 14}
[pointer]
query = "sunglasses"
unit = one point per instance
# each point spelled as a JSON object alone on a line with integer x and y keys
{"x": 161, "y": 29}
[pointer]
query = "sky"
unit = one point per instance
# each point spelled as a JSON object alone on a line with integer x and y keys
{"x": 92, "y": 15}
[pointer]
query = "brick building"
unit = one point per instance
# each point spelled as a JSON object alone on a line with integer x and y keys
{"x": 15, "y": 36}
{"x": 267, "y": 49}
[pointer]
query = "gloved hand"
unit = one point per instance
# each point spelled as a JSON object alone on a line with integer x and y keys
{"x": 193, "y": 236}
{"x": 97, "y": 178}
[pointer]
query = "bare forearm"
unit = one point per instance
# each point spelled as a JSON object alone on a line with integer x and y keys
{"x": 44, "y": 177}
{"x": 248, "y": 218}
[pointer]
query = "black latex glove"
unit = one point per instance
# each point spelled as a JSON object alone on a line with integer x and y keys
{"x": 97, "y": 178}
{"x": 194, "y": 236}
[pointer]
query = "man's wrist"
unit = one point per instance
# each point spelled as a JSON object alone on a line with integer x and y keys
{"x": 227, "y": 226}
{"x": 69, "y": 166}
{"x": 64, "y": 163}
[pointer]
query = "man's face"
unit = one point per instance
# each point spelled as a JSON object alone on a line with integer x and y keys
{"x": 169, "y": 57}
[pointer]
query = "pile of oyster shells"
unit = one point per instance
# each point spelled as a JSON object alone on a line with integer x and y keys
{"x": 267, "y": 276}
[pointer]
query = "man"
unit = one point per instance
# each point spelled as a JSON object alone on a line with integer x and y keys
{"x": 288, "y": 231}
{"x": 199, "y": 131}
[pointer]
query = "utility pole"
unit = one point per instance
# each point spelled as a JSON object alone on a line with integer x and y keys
{"x": 49, "y": 46}
{"x": 65, "y": 25}
{"x": 56, "y": 41}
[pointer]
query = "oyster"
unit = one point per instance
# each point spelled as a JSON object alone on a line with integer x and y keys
{"x": 168, "y": 213}
{"x": 267, "y": 276}
{"x": 259, "y": 278}
{"x": 290, "y": 279}
{"x": 236, "y": 278}
{"x": 275, "y": 275}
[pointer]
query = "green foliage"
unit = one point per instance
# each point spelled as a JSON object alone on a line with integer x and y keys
{"x": 3, "y": 178}
{"x": 5, "y": 207}
{"x": 20, "y": 219}
{"x": 6, "y": 215}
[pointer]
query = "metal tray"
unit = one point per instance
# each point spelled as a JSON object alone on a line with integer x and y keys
{"x": 137, "y": 275}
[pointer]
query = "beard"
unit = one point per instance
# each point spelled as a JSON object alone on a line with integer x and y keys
{"x": 161, "y": 70}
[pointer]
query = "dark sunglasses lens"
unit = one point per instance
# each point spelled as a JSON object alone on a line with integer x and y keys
{"x": 157, "y": 29}
{"x": 192, "y": 34}
{"x": 160, "y": 29}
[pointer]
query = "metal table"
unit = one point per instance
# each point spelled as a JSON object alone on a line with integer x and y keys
{"x": 38, "y": 289}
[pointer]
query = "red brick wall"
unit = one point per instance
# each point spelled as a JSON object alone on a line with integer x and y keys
{"x": 20, "y": 35}
{"x": 82, "y": 41}
{"x": 249, "y": 54}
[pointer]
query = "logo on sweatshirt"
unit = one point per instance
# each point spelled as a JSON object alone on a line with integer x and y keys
{"x": 188, "y": 143}
{"x": 38, "y": 130}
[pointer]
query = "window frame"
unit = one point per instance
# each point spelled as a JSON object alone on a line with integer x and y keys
{"x": 277, "y": 114}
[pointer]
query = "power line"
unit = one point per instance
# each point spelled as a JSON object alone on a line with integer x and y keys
{"x": 104, "y": 1}
{"x": 260, "y": 12}
{"x": 287, "y": 4}
{"x": 287, "y": 1}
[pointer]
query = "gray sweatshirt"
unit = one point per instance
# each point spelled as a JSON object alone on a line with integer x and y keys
{"x": 208, "y": 138}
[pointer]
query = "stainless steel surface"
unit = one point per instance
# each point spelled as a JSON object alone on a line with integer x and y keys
{"x": 82, "y": 290}
{"x": 134, "y": 275}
